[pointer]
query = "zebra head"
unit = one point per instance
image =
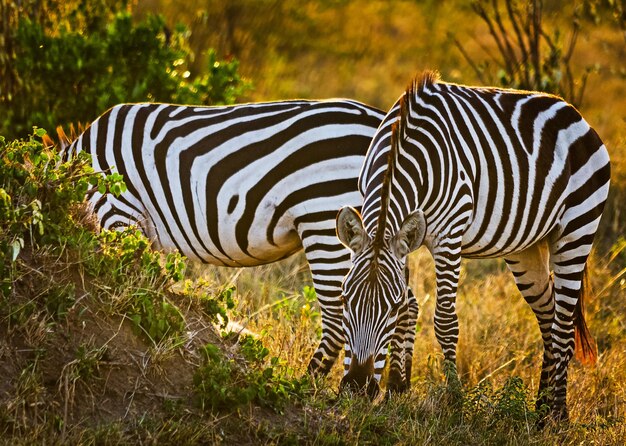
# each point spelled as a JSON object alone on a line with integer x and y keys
{"x": 374, "y": 291}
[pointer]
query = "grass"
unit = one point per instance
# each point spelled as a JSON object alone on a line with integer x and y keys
{"x": 90, "y": 377}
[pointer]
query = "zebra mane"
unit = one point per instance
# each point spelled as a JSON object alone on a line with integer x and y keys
{"x": 386, "y": 191}
{"x": 427, "y": 78}
{"x": 398, "y": 132}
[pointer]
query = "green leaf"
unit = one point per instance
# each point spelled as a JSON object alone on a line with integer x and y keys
{"x": 16, "y": 247}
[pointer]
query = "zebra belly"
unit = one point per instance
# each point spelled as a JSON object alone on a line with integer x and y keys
{"x": 228, "y": 243}
{"x": 511, "y": 233}
{"x": 507, "y": 225}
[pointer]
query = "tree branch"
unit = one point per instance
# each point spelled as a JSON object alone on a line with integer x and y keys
{"x": 477, "y": 70}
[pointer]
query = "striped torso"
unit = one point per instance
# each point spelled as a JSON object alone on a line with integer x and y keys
{"x": 500, "y": 166}
{"x": 230, "y": 185}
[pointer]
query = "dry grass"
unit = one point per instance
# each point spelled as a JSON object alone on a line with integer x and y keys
{"x": 499, "y": 340}
{"x": 91, "y": 379}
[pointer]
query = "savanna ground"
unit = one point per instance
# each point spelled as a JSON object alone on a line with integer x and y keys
{"x": 103, "y": 341}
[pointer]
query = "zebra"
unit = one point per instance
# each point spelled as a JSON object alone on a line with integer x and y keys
{"x": 239, "y": 185}
{"x": 477, "y": 173}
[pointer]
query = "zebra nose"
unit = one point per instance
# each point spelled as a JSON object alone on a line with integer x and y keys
{"x": 360, "y": 378}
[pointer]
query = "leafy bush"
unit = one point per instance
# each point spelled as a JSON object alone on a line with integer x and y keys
{"x": 222, "y": 383}
{"x": 127, "y": 253}
{"x": 75, "y": 75}
{"x": 37, "y": 195}
{"x": 41, "y": 202}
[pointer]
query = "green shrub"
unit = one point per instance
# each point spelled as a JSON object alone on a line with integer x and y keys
{"x": 72, "y": 75}
{"x": 214, "y": 306}
{"x": 154, "y": 316}
{"x": 38, "y": 195}
{"x": 512, "y": 403}
{"x": 41, "y": 202}
{"x": 223, "y": 383}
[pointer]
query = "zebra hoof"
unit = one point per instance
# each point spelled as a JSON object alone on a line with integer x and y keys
{"x": 396, "y": 383}
{"x": 370, "y": 388}
{"x": 396, "y": 390}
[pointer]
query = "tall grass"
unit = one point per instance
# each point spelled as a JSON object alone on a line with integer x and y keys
{"x": 499, "y": 359}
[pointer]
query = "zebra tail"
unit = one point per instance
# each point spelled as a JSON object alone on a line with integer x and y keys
{"x": 64, "y": 141}
{"x": 586, "y": 350}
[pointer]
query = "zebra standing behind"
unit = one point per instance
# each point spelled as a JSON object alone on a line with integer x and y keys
{"x": 478, "y": 173}
{"x": 241, "y": 185}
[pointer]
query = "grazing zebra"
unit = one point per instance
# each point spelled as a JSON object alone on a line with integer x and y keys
{"x": 478, "y": 173}
{"x": 239, "y": 185}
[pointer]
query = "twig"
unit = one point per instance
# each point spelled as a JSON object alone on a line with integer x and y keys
{"x": 469, "y": 60}
{"x": 514, "y": 16}
{"x": 482, "y": 13}
{"x": 498, "y": 369}
{"x": 534, "y": 35}
{"x": 509, "y": 55}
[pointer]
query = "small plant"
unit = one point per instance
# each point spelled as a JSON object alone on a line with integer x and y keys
{"x": 253, "y": 350}
{"x": 154, "y": 316}
{"x": 223, "y": 383}
{"x": 29, "y": 392}
{"x": 86, "y": 364}
{"x": 215, "y": 307}
{"x": 59, "y": 299}
{"x": 175, "y": 266}
{"x": 512, "y": 403}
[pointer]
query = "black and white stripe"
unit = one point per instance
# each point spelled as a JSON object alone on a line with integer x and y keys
{"x": 480, "y": 172}
{"x": 239, "y": 185}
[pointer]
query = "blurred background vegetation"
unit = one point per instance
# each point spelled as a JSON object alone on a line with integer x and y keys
{"x": 67, "y": 61}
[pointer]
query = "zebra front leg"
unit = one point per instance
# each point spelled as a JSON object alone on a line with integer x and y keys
{"x": 396, "y": 382}
{"x": 401, "y": 360}
{"x": 447, "y": 269}
{"x": 403, "y": 343}
{"x": 409, "y": 340}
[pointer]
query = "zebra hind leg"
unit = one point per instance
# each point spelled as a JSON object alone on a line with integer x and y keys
{"x": 570, "y": 333}
{"x": 332, "y": 340}
{"x": 531, "y": 272}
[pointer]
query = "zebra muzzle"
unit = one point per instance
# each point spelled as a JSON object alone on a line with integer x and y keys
{"x": 360, "y": 378}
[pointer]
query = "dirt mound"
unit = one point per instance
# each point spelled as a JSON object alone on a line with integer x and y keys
{"x": 66, "y": 353}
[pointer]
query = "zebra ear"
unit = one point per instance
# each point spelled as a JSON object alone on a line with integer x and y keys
{"x": 350, "y": 230}
{"x": 411, "y": 234}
